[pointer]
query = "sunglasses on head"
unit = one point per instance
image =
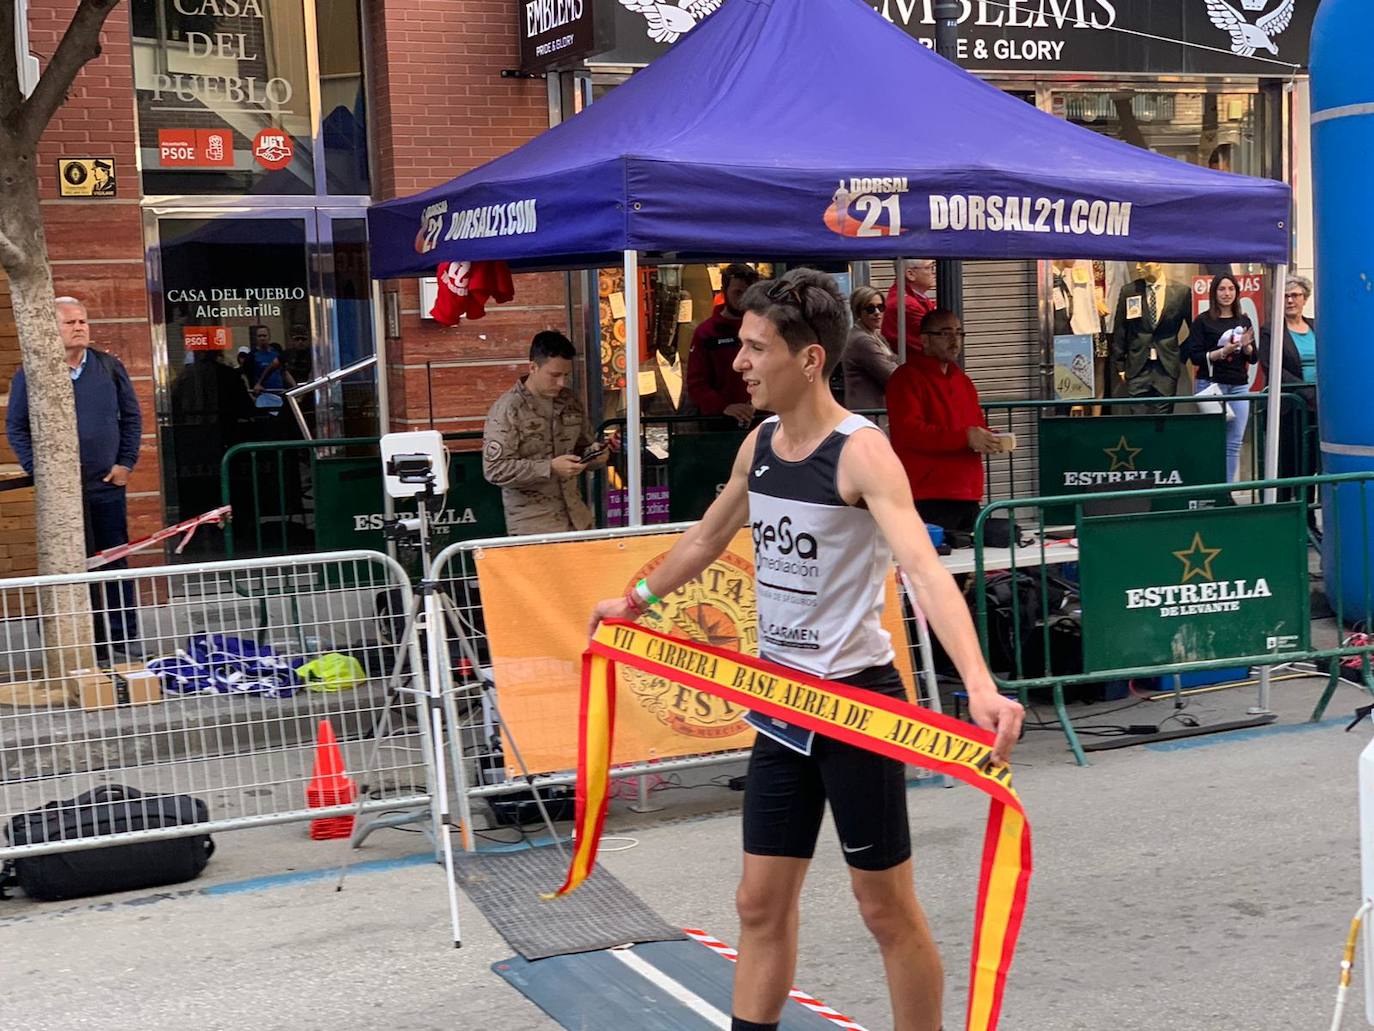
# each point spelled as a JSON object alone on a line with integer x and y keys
{"x": 794, "y": 294}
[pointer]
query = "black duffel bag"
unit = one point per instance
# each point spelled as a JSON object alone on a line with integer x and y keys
{"x": 1017, "y": 614}
{"x": 114, "y": 809}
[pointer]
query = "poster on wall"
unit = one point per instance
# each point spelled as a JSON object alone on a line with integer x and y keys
{"x": 86, "y": 177}
{"x": 1073, "y": 367}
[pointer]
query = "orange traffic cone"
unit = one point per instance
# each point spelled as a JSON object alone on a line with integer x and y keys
{"x": 329, "y": 786}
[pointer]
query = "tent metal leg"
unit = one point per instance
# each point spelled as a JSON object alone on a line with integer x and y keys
{"x": 634, "y": 431}
{"x": 1273, "y": 414}
{"x": 899, "y": 267}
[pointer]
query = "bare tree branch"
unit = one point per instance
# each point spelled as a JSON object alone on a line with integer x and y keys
{"x": 10, "y": 95}
{"x": 80, "y": 43}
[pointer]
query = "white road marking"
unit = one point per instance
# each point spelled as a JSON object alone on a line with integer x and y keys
{"x": 688, "y": 998}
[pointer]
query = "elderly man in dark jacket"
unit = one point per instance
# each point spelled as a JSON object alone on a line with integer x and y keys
{"x": 109, "y": 427}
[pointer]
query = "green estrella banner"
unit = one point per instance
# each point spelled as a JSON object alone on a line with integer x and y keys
{"x": 1217, "y": 583}
{"x": 1116, "y": 452}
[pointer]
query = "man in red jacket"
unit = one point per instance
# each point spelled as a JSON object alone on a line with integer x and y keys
{"x": 938, "y": 428}
{"x": 920, "y": 281}
{"x": 713, "y": 385}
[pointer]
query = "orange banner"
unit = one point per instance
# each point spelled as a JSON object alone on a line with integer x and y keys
{"x": 536, "y": 600}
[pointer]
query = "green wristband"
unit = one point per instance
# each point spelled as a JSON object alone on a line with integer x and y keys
{"x": 645, "y": 595}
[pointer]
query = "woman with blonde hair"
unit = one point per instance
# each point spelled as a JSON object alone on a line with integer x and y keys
{"x": 868, "y": 361}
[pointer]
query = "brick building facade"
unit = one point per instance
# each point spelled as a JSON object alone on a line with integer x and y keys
{"x": 436, "y": 106}
{"x": 440, "y": 117}
{"x": 421, "y": 85}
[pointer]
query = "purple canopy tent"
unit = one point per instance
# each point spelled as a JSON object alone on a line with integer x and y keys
{"x": 791, "y": 129}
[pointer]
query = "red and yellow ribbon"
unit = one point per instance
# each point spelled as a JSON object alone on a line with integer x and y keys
{"x": 861, "y": 718}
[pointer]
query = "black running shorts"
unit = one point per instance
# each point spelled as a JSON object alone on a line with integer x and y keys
{"x": 785, "y": 794}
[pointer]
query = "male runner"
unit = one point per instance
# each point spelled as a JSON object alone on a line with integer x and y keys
{"x": 826, "y": 496}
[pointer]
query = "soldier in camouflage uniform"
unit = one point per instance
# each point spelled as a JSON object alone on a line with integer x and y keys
{"x": 532, "y": 444}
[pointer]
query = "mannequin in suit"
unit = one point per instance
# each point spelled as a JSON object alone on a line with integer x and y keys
{"x": 1151, "y": 315}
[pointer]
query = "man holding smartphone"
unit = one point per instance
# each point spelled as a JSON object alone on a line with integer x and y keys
{"x": 537, "y": 442}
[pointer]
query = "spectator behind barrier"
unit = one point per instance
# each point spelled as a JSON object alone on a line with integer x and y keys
{"x": 109, "y": 428}
{"x": 869, "y": 361}
{"x": 920, "y": 281}
{"x": 1298, "y": 375}
{"x": 713, "y": 385}
{"x": 1222, "y": 347}
{"x": 537, "y": 442}
{"x": 938, "y": 428}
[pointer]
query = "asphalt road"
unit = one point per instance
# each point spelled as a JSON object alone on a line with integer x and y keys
{"x": 1204, "y": 886}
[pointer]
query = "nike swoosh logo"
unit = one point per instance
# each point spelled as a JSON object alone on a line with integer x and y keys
{"x": 850, "y": 851}
{"x": 760, "y": 470}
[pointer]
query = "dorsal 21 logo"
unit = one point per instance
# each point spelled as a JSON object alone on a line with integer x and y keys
{"x": 867, "y": 206}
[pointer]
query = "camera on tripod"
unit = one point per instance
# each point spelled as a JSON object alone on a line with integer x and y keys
{"x": 411, "y": 468}
{"x": 415, "y": 464}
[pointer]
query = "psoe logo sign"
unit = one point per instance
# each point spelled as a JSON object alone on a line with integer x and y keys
{"x": 1247, "y": 36}
{"x": 1123, "y": 468}
{"x": 867, "y": 206}
{"x": 1198, "y": 590}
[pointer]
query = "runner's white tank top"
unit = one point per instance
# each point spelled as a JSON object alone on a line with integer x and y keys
{"x": 820, "y": 565}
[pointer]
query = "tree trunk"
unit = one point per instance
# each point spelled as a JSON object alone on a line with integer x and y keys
{"x": 66, "y": 611}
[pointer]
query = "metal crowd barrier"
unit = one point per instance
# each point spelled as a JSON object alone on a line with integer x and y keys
{"x": 1024, "y": 417}
{"x": 186, "y": 680}
{"x": 1037, "y": 663}
{"x": 688, "y": 456}
{"x": 487, "y": 771}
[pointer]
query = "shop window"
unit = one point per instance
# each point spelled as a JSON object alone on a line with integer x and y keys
{"x": 343, "y": 110}
{"x": 1221, "y": 130}
{"x": 223, "y": 95}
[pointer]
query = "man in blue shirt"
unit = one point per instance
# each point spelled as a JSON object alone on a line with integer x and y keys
{"x": 109, "y": 427}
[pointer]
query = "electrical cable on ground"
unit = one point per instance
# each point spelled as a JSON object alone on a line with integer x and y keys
{"x": 1348, "y": 964}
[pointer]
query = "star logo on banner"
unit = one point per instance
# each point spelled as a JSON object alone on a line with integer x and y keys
{"x": 1197, "y": 560}
{"x": 1122, "y": 456}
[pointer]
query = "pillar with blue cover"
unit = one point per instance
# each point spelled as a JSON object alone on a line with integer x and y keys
{"x": 1342, "y": 169}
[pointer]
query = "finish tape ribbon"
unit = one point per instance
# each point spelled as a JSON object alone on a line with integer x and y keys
{"x": 865, "y": 719}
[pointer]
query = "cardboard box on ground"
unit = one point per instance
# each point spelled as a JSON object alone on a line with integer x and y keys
{"x": 126, "y": 683}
